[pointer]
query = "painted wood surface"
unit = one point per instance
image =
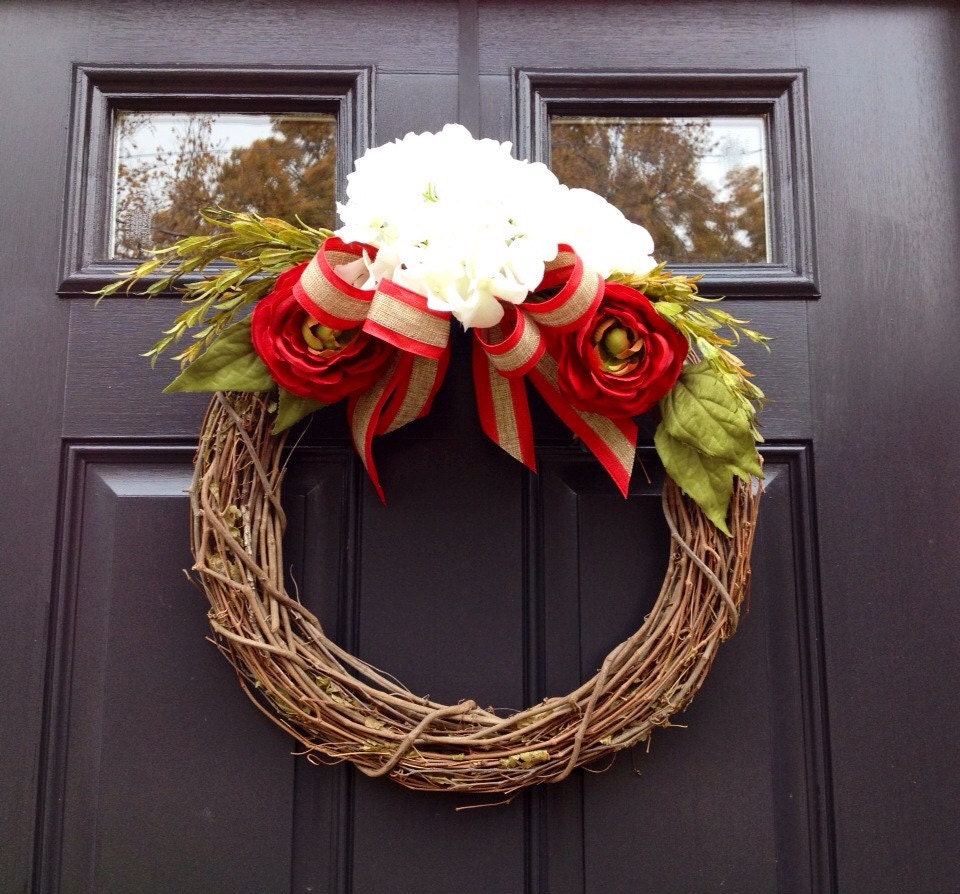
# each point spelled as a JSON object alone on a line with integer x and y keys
{"x": 819, "y": 755}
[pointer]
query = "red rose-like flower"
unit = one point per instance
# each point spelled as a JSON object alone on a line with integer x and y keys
{"x": 307, "y": 358}
{"x": 623, "y": 360}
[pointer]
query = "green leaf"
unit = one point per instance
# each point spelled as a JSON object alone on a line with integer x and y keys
{"x": 229, "y": 364}
{"x": 706, "y": 480}
{"x": 703, "y": 412}
{"x": 668, "y": 309}
{"x": 292, "y": 409}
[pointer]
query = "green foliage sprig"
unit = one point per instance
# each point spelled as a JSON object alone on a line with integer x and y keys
{"x": 257, "y": 250}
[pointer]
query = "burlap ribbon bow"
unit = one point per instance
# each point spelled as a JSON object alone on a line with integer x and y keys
{"x": 504, "y": 355}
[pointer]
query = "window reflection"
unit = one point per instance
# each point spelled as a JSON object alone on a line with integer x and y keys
{"x": 699, "y": 185}
{"x": 168, "y": 165}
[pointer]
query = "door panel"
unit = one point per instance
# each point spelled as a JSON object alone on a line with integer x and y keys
{"x": 138, "y": 721}
{"x": 731, "y": 800}
{"x": 133, "y": 761}
{"x": 886, "y": 425}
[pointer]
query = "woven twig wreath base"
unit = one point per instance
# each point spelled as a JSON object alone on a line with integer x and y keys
{"x": 341, "y": 708}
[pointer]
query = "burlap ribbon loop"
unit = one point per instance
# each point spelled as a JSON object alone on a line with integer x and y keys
{"x": 514, "y": 345}
{"x": 578, "y": 292}
{"x": 325, "y": 295}
{"x": 401, "y": 318}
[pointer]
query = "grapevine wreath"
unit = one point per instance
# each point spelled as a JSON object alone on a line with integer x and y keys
{"x": 560, "y": 291}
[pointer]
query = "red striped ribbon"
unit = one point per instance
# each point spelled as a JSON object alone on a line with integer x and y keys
{"x": 394, "y": 315}
{"x": 503, "y": 357}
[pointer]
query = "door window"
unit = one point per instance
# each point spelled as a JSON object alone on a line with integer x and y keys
{"x": 168, "y": 165}
{"x": 698, "y": 184}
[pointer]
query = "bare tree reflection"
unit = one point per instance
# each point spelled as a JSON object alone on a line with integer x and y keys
{"x": 649, "y": 168}
{"x": 652, "y": 172}
{"x": 289, "y": 173}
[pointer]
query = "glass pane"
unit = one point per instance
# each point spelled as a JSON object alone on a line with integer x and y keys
{"x": 168, "y": 165}
{"x": 699, "y": 185}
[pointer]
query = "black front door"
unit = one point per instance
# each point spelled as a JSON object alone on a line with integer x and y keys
{"x": 818, "y": 755}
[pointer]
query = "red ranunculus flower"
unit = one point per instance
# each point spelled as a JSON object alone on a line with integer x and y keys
{"x": 622, "y": 360}
{"x": 307, "y": 358}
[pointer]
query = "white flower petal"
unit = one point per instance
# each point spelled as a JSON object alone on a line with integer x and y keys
{"x": 487, "y": 311}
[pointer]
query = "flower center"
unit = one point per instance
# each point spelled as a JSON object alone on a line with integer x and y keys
{"x": 618, "y": 348}
{"x": 322, "y": 339}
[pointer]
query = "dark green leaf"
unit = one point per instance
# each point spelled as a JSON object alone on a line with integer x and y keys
{"x": 292, "y": 409}
{"x": 229, "y": 364}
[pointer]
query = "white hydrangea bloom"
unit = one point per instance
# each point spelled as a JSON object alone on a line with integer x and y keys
{"x": 605, "y": 240}
{"x": 462, "y": 222}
